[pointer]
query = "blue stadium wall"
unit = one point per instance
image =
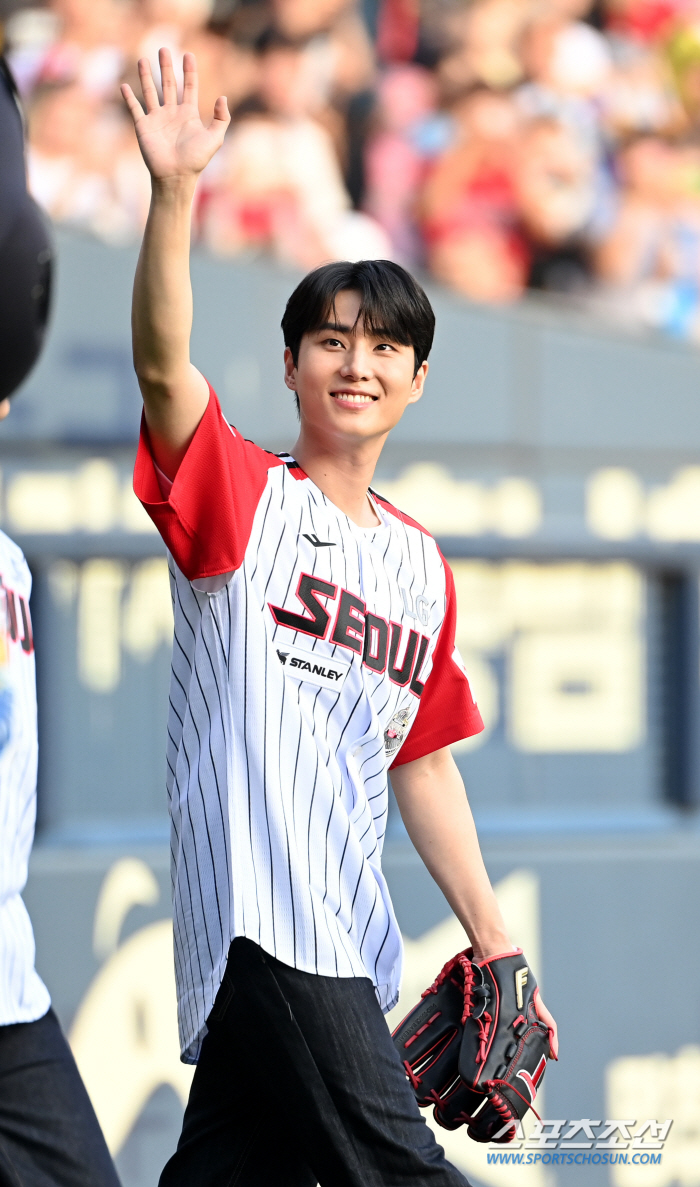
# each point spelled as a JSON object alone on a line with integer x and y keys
{"x": 558, "y": 463}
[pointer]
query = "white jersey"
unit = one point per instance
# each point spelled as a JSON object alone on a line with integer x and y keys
{"x": 309, "y": 654}
{"x": 23, "y": 996}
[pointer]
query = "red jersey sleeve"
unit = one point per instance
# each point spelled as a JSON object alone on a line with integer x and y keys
{"x": 207, "y": 517}
{"x": 447, "y": 711}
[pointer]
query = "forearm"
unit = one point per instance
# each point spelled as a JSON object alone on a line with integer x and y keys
{"x": 162, "y": 299}
{"x": 434, "y": 807}
{"x": 174, "y": 393}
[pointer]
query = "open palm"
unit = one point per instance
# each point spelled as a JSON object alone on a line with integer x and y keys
{"x": 173, "y": 140}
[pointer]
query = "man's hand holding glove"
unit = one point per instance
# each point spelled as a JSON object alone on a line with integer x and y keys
{"x": 476, "y": 1045}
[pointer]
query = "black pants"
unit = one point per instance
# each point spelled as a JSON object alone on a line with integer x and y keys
{"x": 49, "y": 1134}
{"x": 298, "y": 1082}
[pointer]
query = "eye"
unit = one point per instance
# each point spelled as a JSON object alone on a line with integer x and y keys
{"x": 385, "y": 346}
{"x": 332, "y": 342}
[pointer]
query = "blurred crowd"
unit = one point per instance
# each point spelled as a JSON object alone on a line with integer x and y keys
{"x": 498, "y": 145}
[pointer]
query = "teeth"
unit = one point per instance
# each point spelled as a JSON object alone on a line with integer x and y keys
{"x": 353, "y": 398}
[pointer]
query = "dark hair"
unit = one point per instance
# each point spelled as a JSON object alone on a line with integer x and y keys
{"x": 271, "y": 39}
{"x": 391, "y": 303}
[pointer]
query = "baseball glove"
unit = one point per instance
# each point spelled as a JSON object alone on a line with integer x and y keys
{"x": 474, "y": 1047}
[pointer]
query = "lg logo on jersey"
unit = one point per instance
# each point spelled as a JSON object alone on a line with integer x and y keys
{"x": 378, "y": 642}
{"x": 418, "y": 609}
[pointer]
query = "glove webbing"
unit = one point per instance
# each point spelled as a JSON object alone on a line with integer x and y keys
{"x": 485, "y": 1020}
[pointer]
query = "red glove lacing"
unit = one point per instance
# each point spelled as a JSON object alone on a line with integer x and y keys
{"x": 485, "y": 1021}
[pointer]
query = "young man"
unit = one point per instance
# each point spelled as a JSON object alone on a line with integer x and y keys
{"x": 314, "y": 648}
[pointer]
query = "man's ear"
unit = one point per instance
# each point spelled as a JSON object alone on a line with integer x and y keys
{"x": 290, "y": 370}
{"x": 418, "y": 383}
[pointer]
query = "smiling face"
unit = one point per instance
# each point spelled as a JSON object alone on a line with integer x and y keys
{"x": 352, "y": 383}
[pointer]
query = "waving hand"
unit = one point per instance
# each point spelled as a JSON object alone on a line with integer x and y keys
{"x": 173, "y": 140}
{"x": 176, "y": 146}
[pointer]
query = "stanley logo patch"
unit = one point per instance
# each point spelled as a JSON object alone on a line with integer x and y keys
{"x": 315, "y": 669}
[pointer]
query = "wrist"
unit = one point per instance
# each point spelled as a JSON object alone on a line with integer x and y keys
{"x": 174, "y": 189}
{"x": 488, "y": 945}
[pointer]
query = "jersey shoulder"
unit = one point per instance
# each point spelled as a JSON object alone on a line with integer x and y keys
{"x": 400, "y": 515}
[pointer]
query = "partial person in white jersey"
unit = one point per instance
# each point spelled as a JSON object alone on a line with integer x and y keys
{"x": 49, "y": 1134}
{"x": 314, "y": 654}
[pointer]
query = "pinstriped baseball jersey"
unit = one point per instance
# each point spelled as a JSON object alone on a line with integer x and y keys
{"x": 23, "y": 996}
{"x": 309, "y": 654}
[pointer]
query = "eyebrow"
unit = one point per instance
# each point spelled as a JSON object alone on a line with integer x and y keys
{"x": 378, "y": 332}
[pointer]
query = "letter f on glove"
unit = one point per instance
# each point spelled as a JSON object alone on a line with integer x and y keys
{"x": 520, "y": 983}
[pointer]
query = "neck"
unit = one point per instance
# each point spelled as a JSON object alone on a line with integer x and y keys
{"x": 343, "y": 471}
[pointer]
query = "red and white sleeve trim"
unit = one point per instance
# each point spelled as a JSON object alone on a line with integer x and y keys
{"x": 208, "y": 514}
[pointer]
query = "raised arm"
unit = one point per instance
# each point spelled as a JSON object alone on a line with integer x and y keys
{"x": 176, "y": 146}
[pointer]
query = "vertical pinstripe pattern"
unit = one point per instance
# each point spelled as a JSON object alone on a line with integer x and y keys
{"x": 23, "y": 996}
{"x": 277, "y": 786}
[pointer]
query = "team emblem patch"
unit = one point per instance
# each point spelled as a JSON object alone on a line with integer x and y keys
{"x": 316, "y": 669}
{"x": 395, "y": 732}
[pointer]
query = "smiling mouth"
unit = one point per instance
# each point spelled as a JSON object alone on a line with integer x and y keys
{"x": 358, "y": 398}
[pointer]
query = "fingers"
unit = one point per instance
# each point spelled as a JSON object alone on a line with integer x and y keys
{"x": 190, "y": 93}
{"x": 221, "y": 118}
{"x": 132, "y": 102}
{"x": 544, "y": 1015}
{"x": 553, "y": 1041}
{"x": 150, "y": 94}
{"x": 167, "y": 76}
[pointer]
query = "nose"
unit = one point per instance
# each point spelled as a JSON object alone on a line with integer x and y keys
{"x": 357, "y": 362}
